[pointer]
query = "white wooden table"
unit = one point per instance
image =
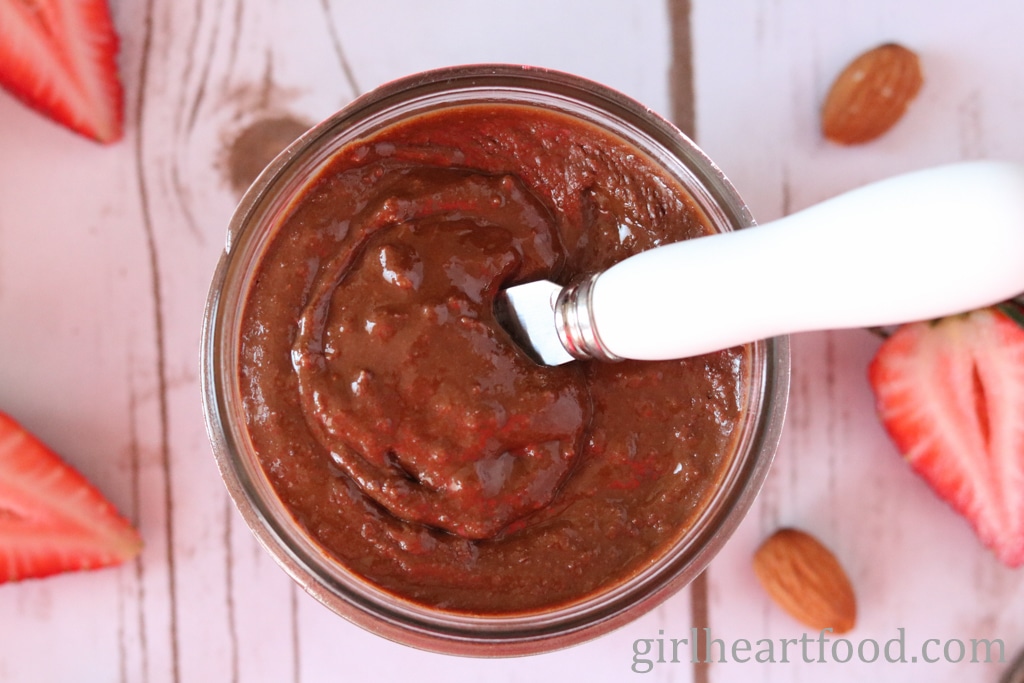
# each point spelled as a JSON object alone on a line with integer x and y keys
{"x": 106, "y": 255}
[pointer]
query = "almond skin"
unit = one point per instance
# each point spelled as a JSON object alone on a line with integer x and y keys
{"x": 806, "y": 580}
{"x": 871, "y": 94}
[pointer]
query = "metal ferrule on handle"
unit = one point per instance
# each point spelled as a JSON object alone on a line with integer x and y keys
{"x": 574, "y": 321}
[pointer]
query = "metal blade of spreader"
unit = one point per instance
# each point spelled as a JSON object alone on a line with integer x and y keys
{"x": 527, "y": 312}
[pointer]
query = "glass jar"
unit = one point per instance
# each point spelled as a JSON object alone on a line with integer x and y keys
{"x": 344, "y": 591}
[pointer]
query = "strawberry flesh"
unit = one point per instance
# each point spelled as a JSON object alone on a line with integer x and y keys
{"x": 51, "y": 518}
{"x": 60, "y": 58}
{"x": 951, "y": 396}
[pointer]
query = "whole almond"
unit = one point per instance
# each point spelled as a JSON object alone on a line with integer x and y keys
{"x": 806, "y": 580}
{"x": 871, "y": 94}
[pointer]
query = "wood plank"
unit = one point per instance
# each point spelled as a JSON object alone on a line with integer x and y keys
{"x": 915, "y": 564}
{"x": 106, "y": 255}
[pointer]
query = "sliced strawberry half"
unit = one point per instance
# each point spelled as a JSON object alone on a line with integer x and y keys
{"x": 951, "y": 395}
{"x": 51, "y": 519}
{"x": 60, "y": 58}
